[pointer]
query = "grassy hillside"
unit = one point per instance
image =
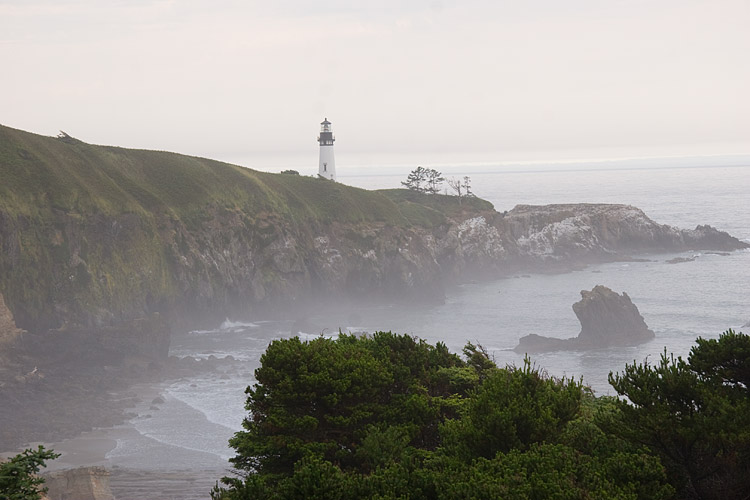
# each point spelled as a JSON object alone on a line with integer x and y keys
{"x": 40, "y": 174}
{"x": 427, "y": 210}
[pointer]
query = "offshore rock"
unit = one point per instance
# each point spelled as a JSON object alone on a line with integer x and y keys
{"x": 607, "y": 319}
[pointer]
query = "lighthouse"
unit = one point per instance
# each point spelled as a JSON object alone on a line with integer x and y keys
{"x": 326, "y": 165}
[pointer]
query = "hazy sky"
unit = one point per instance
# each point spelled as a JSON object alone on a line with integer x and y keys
{"x": 410, "y": 80}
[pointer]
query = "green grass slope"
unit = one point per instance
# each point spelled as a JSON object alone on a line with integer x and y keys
{"x": 430, "y": 210}
{"x": 43, "y": 174}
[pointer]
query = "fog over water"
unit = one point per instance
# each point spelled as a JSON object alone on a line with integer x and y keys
{"x": 678, "y": 301}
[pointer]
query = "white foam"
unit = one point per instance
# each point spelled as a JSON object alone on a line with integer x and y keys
{"x": 238, "y": 354}
{"x": 228, "y": 324}
{"x": 179, "y": 424}
{"x": 221, "y": 401}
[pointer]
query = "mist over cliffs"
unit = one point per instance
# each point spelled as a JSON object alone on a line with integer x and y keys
{"x": 99, "y": 236}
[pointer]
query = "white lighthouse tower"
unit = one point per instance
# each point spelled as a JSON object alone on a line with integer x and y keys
{"x": 326, "y": 165}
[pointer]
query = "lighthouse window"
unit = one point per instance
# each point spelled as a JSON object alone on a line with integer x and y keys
{"x": 325, "y": 167}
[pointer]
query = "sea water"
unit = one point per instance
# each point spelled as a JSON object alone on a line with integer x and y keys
{"x": 679, "y": 302}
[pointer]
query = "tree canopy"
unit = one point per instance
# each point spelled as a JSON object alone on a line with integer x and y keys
{"x": 392, "y": 416}
{"x": 18, "y": 475}
{"x": 694, "y": 415}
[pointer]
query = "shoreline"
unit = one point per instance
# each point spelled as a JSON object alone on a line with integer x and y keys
{"x": 139, "y": 466}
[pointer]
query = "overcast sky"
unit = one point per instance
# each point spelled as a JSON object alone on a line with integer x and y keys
{"x": 405, "y": 80}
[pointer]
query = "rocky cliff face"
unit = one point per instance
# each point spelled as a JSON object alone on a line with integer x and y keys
{"x": 9, "y": 332}
{"x": 585, "y": 232}
{"x": 84, "y": 483}
{"x": 95, "y": 272}
{"x": 607, "y": 319}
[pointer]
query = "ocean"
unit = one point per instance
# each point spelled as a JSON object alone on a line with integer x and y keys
{"x": 679, "y": 302}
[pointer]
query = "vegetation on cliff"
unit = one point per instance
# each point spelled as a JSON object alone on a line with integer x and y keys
{"x": 391, "y": 416}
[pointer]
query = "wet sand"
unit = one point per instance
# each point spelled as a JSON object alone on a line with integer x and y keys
{"x": 147, "y": 469}
{"x": 140, "y": 466}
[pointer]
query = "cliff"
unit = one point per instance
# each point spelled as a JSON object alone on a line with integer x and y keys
{"x": 96, "y": 237}
{"x": 9, "y": 332}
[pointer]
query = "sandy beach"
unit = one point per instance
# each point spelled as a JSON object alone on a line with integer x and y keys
{"x": 141, "y": 466}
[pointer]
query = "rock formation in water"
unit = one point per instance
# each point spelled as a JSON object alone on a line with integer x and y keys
{"x": 607, "y": 319}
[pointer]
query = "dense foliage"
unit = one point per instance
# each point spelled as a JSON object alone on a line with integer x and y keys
{"x": 391, "y": 416}
{"x": 694, "y": 415}
{"x": 18, "y": 475}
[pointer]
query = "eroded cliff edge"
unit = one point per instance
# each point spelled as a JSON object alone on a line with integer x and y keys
{"x": 103, "y": 249}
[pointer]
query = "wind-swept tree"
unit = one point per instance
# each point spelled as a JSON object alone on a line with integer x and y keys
{"x": 434, "y": 181}
{"x": 416, "y": 179}
{"x": 424, "y": 180}
{"x": 462, "y": 188}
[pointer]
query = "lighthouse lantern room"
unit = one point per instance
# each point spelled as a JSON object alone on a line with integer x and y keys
{"x": 326, "y": 165}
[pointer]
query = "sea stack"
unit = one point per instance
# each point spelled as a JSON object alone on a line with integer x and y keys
{"x": 607, "y": 319}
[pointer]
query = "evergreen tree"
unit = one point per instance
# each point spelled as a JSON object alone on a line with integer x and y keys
{"x": 18, "y": 476}
{"x": 424, "y": 180}
{"x": 434, "y": 180}
{"x": 416, "y": 180}
{"x": 694, "y": 415}
{"x": 390, "y": 416}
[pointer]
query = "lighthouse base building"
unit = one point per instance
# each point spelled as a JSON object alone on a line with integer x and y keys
{"x": 326, "y": 164}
